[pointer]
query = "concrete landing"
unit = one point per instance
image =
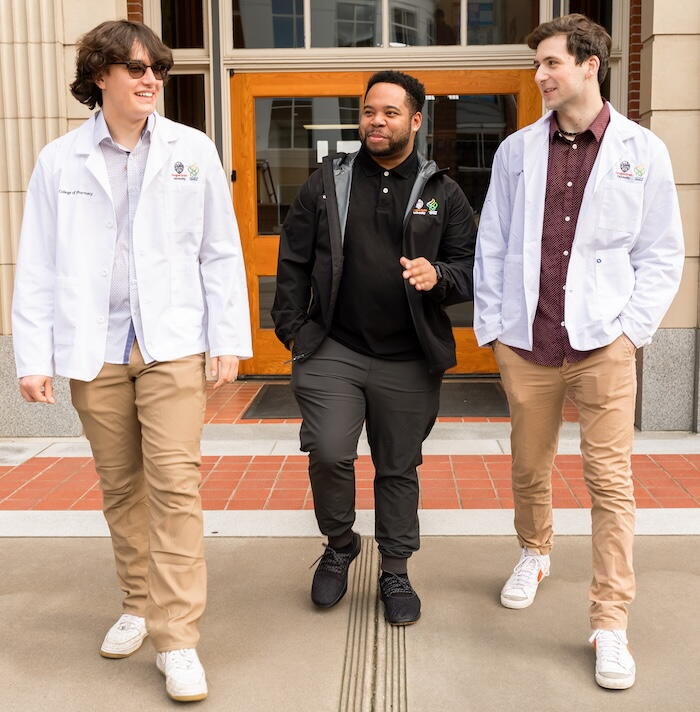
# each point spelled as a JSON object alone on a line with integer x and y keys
{"x": 265, "y": 647}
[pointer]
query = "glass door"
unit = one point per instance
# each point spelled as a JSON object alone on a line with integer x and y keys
{"x": 285, "y": 123}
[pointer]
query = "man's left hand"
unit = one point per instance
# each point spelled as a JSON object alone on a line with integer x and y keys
{"x": 419, "y": 273}
{"x": 224, "y": 369}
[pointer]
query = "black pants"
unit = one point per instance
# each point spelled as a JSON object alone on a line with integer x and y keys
{"x": 338, "y": 390}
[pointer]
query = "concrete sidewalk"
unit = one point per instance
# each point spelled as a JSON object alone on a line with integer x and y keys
{"x": 267, "y": 649}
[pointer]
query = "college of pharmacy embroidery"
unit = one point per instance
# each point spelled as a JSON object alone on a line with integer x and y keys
{"x": 432, "y": 206}
{"x": 179, "y": 168}
{"x": 193, "y": 170}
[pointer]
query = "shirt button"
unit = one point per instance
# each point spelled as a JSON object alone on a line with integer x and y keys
{"x": 564, "y": 287}
{"x": 109, "y": 224}
{"x": 386, "y": 173}
{"x": 567, "y": 218}
{"x": 562, "y": 323}
{"x": 565, "y": 253}
{"x": 385, "y": 190}
{"x": 598, "y": 260}
{"x": 574, "y": 146}
{"x": 100, "y": 320}
{"x": 569, "y": 184}
{"x": 104, "y": 272}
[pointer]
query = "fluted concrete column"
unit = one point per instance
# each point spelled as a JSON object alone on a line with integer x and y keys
{"x": 37, "y": 48}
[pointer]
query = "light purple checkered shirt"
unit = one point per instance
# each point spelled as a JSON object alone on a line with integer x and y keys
{"x": 125, "y": 170}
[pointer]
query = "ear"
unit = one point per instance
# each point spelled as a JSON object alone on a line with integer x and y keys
{"x": 416, "y": 121}
{"x": 593, "y": 65}
{"x": 99, "y": 79}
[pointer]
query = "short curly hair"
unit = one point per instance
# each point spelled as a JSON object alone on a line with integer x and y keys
{"x": 415, "y": 91}
{"x": 584, "y": 39}
{"x": 106, "y": 44}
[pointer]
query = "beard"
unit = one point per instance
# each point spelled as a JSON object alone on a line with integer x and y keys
{"x": 396, "y": 144}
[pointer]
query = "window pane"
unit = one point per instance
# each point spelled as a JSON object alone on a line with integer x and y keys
{"x": 184, "y": 100}
{"x": 346, "y": 23}
{"x": 183, "y": 23}
{"x": 434, "y": 22}
{"x": 292, "y": 136}
{"x": 266, "y": 297}
{"x": 462, "y": 132}
{"x": 260, "y": 24}
{"x": 501, "y": 21}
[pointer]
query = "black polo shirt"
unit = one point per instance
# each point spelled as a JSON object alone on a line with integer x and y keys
{"x": 371, "y": 313}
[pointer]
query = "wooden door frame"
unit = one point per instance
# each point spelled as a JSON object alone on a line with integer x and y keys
{"x": 260, "y": 252}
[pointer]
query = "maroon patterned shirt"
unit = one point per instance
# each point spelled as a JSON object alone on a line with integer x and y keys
{"x": 568, "y": 170}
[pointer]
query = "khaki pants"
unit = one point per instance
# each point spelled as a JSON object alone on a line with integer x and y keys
{"x": 604, "y": 387}
{"x": 144, "y": 423}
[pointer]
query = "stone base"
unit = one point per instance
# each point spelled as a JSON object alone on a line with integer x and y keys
{"x": 34, "y": 420}
{"x": 666, "y": 382}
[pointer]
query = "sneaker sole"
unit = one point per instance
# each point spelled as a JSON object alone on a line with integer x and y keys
{"x": 516, "y": 605}
{"x": 188, "y": 698}
{"x": 402, "y": 623}
{"x": 622, "y": 683}
{"x": 118, "y": 655}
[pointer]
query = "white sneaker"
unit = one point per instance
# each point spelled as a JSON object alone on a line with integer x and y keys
{"x": 124, "y": 637}
{"x": 614, "y": 665}
{"x": 185, "y": 680}
{"x": 521, "y": 587}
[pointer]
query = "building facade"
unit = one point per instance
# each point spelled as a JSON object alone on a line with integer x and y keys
{"x": 277, "y": 84}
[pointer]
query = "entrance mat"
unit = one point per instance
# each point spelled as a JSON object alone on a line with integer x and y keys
{"x": 471, "y": 399}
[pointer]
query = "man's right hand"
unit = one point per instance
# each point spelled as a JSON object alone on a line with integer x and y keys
{"x": 37, "y": 389}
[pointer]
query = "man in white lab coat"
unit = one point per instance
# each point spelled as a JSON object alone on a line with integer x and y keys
{"x": 579, "y": 255}
{"x": 129, "y": 269}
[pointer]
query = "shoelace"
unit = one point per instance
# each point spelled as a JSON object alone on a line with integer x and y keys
{"x": 609, "y": 648}
{"x": 393, "y": 584}
{"x": 525, "y": 572}
{"x": 332, "y": 561}
{"x": 181, "y": 659}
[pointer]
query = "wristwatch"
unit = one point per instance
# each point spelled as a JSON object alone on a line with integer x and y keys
{"x": 438, "y": 271}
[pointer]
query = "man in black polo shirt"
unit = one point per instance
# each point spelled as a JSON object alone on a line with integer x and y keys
{"x": 375, "y": 245}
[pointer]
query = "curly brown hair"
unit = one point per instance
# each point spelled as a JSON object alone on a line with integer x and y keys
{"x": 106, "y": 44}
{"x": 584, "y": 39}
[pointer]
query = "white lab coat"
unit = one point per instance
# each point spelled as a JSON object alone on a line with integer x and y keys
{"x": 187, "y": 255}
{"x": 627, "y": 255}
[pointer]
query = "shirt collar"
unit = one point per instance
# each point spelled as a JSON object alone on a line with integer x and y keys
{"x": 102, "y": 130}
{"x": 597, "y": 126}
{"x": 405, "y": 169}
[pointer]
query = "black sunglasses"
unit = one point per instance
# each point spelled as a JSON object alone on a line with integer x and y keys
{"x": 137, "y": 69}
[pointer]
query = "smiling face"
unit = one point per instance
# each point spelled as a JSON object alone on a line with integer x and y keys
{"x": 387, "y": 128}
{"x": 126, "y": 99}
{"x": 563, "y": 83}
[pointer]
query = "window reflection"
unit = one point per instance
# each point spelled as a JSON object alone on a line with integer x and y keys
{"x": 501, "y": 21}
{"x": 259, "y": 24}
{"x": 292, "y": 136}
{"x": 339, "y": 23}
{"x": 432, "y": 22}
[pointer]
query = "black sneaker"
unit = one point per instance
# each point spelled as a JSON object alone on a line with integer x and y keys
{"x": 331, "y": 576}
{"x": 401, "y": 602}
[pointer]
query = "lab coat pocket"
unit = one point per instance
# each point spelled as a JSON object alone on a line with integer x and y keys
{"x": 614, "y": 279}
{"x": 186, "y": 285}
{"x": 512, "y": 286}
{"x": 185, "y": 206}
{"x": 66, "y": 311}
{"x": 621, "y": 206}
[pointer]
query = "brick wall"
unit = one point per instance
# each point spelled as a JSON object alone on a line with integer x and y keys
{"x": 135, "y": 10}
{"x": 635, "y": 50}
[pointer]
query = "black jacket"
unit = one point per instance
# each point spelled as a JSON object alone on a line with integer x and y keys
{"x": 310, "y": 262}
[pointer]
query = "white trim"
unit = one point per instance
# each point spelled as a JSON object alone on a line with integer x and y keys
{"x": 287, "y": 523}
{"x": 369, "y": 58}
